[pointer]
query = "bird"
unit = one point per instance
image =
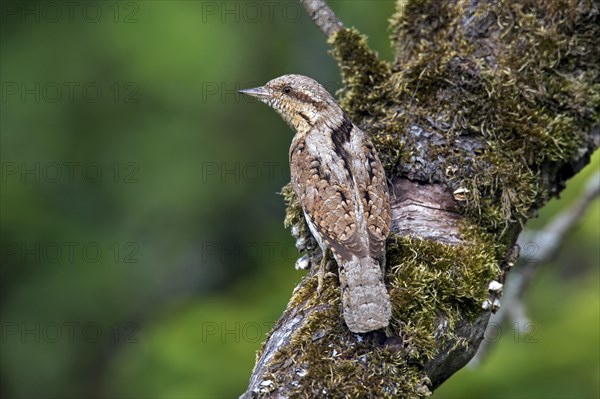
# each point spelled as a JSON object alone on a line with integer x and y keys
{"x": 342, "y": 188}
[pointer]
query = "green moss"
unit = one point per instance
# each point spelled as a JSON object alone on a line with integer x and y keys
{"x": 294, "y": 214}
{"x": 491, "y": 122}
{"x": 363, "y": 73}
{"x": 324, "y": 353}
{"x": 429, "y": 281}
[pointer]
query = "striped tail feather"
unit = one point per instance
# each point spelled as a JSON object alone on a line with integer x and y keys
{"x": 365, "y": 300}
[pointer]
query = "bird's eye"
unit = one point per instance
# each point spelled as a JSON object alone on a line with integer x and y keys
{"x": 287, "y": 89}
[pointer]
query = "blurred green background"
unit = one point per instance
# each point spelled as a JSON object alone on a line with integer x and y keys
{"x": 143, "y": 247}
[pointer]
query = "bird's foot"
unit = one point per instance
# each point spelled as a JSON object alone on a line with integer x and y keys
{"x": 323, "y": 272}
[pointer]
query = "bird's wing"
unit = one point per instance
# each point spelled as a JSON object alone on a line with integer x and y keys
{"x": 371, "y": 182}
{"x": 327, "y": 200}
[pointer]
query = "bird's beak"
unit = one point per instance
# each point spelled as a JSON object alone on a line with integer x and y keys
{"x": 259, "y": 92}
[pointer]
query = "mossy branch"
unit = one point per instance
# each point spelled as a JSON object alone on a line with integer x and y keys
{"x": 486, "y": 111}
{"x": 545, "y": 243}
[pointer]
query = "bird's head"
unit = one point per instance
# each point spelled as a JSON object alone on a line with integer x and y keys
{"x": 301, "y": 101}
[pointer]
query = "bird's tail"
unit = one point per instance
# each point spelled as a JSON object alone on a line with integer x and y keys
{"x": 365, "y": 299}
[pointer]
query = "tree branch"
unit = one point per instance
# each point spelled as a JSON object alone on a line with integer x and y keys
{"x": 487, "y": 110}
{"x": 544, "y": 245}
{"x": 323, "y": 16}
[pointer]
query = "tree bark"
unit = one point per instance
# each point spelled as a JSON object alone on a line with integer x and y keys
{"x": 486, "y": 111}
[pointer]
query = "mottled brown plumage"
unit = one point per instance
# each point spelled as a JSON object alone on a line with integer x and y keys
{"x": 342, "y": 187}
